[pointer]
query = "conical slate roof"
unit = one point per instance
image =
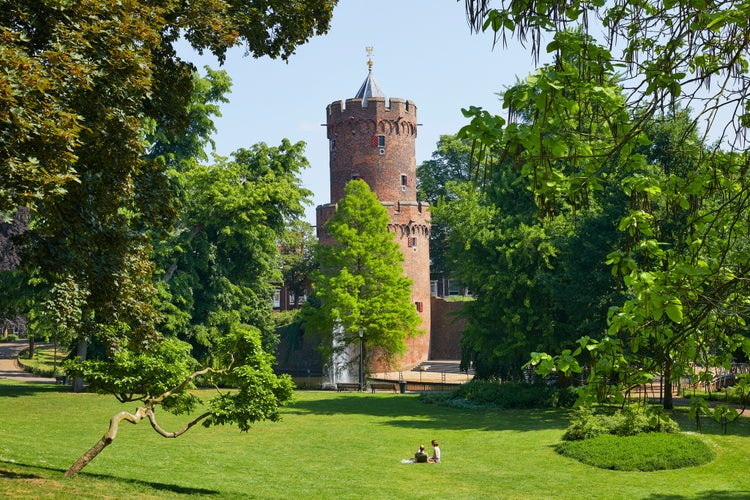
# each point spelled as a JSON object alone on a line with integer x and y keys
{"x": 369, "y": 87}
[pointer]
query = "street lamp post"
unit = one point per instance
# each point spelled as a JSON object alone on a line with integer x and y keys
{"x": 361, "y": 360}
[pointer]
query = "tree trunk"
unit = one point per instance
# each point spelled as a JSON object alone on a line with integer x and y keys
{"x": 83, "y": 346}
{"x": 105, "y": 441}
{"x": 31, "y": 346}
{"x": 666, "y": 386}
{"x": 195, "y": 231}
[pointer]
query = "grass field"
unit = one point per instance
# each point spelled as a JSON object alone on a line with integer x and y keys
{"x": 44, "y": 360}
{"x": 330, "y": 445}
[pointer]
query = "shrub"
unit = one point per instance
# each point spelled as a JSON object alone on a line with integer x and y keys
{"x": 509, "y": 395}
{"x": 630, "y": 421}
{"x": 12, "y": 337}
{"x": 644, "y": 452}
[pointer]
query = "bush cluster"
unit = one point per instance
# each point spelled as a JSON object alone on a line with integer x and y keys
{"x": 11, "y": 337}
{"x": 644, "y": 452}
{"x": 506, "y": 395}
{"x": 629, "y": 421}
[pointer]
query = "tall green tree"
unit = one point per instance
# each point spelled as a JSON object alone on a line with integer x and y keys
{"x": 361, "y": 283}
{"x": 85, "y": 85}
{"x": 519, "y": 235}
{"x": 449, "y": 163}
{"x": 86, "y": 82}
{"x": 224, "y": 258}
{"x": 683, "y": 266}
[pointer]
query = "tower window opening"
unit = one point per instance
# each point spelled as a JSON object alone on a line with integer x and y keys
{"x": 404, "y": 180}
{"x": 419, "y": 305}
{"x": 412, "y": 242}
{"x": 378, "y": 141}
{"x": 356, "y": 177}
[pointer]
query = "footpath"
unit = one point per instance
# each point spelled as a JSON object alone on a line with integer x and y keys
{"x": 9, "y": 367}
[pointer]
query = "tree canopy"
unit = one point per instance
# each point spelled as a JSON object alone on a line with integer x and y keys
{"x": 101, "y": 126}
{"x": 361, "y": 283}
{"x": 681, "y": 261}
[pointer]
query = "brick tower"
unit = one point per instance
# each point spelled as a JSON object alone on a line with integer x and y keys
{"x": 372, "y": 138}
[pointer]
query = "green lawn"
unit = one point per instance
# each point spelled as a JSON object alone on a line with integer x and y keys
{"x": 44, "y": 360}
{"x": 330, "y": 445}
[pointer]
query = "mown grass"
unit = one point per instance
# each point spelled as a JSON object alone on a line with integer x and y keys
{"x": 331, "y": 445}
{"x": 43, "y": 362}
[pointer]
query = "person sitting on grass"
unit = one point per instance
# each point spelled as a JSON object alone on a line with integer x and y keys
{"x": 420, "y": 456}
{"x": 435, "y": 459}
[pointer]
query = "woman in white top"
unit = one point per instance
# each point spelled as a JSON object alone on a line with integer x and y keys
{"x": 435, "y": 459}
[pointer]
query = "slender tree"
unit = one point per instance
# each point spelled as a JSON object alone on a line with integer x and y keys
{"x": 361, "y": 283}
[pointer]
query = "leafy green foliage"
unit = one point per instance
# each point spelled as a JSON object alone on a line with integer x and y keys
{"x": 628, "y": 421}
{"x": 361, "y": 283}
{"x": 670, "y": 52}
{"x": 102, "y": 127}
{"x": 132, "y": 376}
{"x": 78, "y": 159}
{"x": 681, "y": 260}
{"x": 449, "y": 163}
{"x": 533, "y": 281}
{"x": 507, "y": 395}
{"x": 644, "y": 452}
{"x": 223, "y": 257}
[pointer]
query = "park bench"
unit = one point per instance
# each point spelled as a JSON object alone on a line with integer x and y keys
{"x": 347, "y": 386}
{"x": 61, "y": 379}
{"x": 383, "y": 386}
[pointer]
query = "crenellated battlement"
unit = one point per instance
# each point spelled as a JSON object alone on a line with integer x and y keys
{"x": 377, "y": 117}
{"x": 339, "y": 110}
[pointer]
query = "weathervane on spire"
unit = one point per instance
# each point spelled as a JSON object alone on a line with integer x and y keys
{"x": 369, "y": 57}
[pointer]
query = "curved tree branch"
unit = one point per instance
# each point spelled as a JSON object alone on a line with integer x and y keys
{"x": 106, "y": 439}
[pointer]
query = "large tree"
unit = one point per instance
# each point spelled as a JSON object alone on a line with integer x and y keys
{"x": 85, "y": 82}
{"x": 449, "y": 163}
{"x": 85, "y": 85}
{"x": 215, "y": 268}
{"x": 361, "y": 283}
{"x": 685, "y": 276}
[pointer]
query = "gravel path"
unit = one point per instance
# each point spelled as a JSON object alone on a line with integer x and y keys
{"x": 9, "y": 368}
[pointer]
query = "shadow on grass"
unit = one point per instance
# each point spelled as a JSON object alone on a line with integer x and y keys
{"x": 173, "y": 488}
{"x": 412, "y": 413}
{"x": 13, "y": 389}
{"x": 9, "y": 474}
{"x": 709, "y": 426}
{"x": 723, "y": 494}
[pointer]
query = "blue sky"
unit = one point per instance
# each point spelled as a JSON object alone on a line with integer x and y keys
{"x": 423, "y": 51}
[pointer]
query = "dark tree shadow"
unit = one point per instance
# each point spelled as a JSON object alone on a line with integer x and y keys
{"x": 722, "y": 494}
{"x": 173, "y": 488}
{"x": 17, "y": 389}
{"x": 412, "y": 413}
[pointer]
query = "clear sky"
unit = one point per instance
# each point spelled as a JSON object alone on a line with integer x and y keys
{"x": 423, "y": 51}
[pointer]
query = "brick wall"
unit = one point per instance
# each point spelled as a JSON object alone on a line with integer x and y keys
{"x": 446, "y": 330}
{"x": 374, "y": 143}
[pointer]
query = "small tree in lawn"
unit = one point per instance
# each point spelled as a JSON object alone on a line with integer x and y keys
{"x": 361, "y": 283}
